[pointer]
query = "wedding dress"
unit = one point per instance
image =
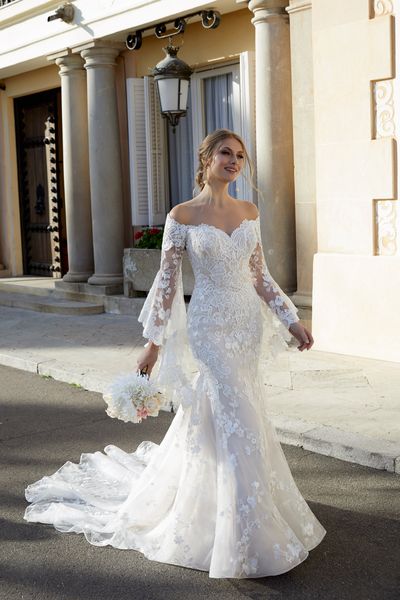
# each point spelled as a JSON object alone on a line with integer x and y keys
{"x": 217, "y": 493}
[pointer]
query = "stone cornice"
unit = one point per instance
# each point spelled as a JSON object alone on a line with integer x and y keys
{"x": 99, "y": 43}
{"x": 298, "y": 6}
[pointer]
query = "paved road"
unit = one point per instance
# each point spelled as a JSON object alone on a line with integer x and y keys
{"x": 45, "y": 423}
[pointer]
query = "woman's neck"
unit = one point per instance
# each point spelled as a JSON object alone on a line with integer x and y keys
{"x": 215, "y": 194}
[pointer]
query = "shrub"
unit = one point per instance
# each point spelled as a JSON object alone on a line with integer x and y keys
{"x": 150, "y": 237}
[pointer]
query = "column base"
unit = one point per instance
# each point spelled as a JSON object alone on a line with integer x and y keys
{"x": 72, "y": 277}
{"x": 106, "y": 279}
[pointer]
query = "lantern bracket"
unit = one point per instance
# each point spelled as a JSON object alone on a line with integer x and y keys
{"x": 210, "y": 19}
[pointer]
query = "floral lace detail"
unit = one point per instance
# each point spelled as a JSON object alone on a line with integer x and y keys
{"x": 267, "y": 288}
{"x": 155, "y": 316}
{"x": 216, "y": 494}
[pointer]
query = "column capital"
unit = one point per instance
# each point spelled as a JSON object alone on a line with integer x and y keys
{"x": 99, "y": 52}
{"x": 267, "y": 10}
{"x": 99, "y": 56}
{"x": 70, "y": 64}
{"x": 268, "y": 5}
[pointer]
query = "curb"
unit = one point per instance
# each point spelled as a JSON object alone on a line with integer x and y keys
{"x": 344, "y": 445}
{"x": 321, "y": 439}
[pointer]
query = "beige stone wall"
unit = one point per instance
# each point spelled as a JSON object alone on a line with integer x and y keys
{"x": 201, "y": 47}
{"x": 300, "y": 12}
{"x": 354, "y": 287}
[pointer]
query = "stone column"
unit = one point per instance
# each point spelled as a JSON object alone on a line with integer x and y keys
{"x": 275, "y": 177}
{"x": 304, "y": 145}
{"x": 76, "y": 168}
{"x": 105, "y": 164}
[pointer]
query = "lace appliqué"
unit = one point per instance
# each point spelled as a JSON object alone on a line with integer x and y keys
{"x": 267, "y": 288}
{"x": 157, "y": 308}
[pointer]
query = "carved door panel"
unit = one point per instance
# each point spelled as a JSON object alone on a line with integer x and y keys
{"x": 39, "y": 149}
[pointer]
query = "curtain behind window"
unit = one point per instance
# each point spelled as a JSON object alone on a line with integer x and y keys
{"x": 218, "y": 98}
{"x": 218, "y": 113}
{"x": 180, "y": 151}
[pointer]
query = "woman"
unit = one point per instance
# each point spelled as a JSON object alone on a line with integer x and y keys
{"x": 217, "y": 493}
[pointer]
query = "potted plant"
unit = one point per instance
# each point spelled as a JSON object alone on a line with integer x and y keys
{"x": 142, "y": 262}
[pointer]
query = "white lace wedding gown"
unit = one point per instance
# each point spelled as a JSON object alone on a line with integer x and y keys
{"x": 217, "y": 493}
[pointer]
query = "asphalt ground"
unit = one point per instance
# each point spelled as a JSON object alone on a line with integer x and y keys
{"x": 45, "y": 423}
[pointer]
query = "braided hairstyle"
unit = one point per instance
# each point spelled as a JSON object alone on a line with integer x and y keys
{"x": 207, "y": 150}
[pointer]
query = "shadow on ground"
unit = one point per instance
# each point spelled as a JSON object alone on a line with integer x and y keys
{"x": 45, "y": 423}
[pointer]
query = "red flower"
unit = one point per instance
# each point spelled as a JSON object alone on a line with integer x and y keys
{"x": 154, "y": 230}
{"x": 138, "y": 235}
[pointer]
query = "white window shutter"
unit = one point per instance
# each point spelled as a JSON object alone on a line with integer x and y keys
{"x": 248, "y": 114}
{"x": 157, "y": 184}
{"x": 137, "y": 150}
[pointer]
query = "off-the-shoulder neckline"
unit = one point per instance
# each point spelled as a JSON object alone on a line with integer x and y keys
{"x": 214, "y": 226}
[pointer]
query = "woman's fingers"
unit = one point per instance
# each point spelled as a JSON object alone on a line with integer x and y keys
{"x": 305, "y": 338}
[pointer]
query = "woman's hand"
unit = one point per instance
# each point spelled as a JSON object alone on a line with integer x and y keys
{"x": 148, "y": 358}
{"x": 302, "y": 335}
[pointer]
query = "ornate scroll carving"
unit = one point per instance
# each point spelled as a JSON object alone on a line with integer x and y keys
{"x": 384, "y": 108}
{"x": 387, "y": 212}
{"x": 386, "y": 217}
{"x": 383, "y": 7}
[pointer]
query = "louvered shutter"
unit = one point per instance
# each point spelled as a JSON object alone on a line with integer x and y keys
{"x": 137, "y": 150}
{"x": 156, "y": 155}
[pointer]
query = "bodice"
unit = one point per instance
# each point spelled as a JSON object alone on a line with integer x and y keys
{"x": 220, "y": 261}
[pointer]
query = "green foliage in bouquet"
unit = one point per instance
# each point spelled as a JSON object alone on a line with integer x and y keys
{"x": 150, "y": 237}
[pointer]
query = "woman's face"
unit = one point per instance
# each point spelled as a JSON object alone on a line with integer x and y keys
{"x": 227, "y": 161}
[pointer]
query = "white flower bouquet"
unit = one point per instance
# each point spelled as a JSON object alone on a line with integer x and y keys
{"x": 132, "y": 398}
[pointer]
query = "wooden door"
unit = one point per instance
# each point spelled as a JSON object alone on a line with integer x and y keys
{"x": 39, "y": 150}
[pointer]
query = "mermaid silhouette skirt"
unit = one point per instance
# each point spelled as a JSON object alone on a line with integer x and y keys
{"x": 217, "y": 493}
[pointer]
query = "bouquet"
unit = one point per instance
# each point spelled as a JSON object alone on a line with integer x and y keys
{"x": 133, "y": 397}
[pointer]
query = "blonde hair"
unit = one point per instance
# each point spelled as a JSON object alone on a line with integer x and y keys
{"x": 207, "y": 150}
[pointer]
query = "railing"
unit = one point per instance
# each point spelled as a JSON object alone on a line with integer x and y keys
{"x": 5, "y": 2}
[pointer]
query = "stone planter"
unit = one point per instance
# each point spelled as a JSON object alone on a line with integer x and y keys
{"x": 141, "y": 266}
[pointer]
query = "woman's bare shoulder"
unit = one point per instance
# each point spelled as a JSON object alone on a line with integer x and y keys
{"x": 183, "y": 212}
{"x": 249, "y": 208}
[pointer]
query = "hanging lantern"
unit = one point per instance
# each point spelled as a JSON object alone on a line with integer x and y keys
{"x": 172, "y": 77}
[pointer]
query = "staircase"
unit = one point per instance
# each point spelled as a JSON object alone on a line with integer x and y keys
{"x": 47, "y": 295}
{"x": 41, "y": 295}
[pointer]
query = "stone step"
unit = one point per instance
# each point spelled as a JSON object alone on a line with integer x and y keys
{"x": 86, "y": 288}
{"x": 49, "y": 304}
{"x": 121, "y": 305}
{"x": 78, "y": 296}
{"x": 37, "y": 286}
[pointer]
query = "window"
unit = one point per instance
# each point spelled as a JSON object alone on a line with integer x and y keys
{"x": 213, "y": 104}
{"x": 162, "y": 161}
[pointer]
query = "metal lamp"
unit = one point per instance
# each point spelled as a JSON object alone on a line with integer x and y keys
{"x": 172, "y": 77}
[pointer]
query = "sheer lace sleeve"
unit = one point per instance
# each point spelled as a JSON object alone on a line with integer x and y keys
{"x": 156, "y": 310}
{"x": 267, "y": 288}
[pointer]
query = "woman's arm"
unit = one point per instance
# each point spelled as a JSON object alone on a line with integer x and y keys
{"x": 271, "y": 293}
{"x": 157, "y": 307}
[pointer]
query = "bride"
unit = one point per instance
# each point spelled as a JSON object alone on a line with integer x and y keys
{"x": 217, "y": 493}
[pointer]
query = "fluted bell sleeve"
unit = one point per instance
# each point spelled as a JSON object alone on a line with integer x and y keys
{"x": 156, "y": 310}
{"x": 267, "y": 288}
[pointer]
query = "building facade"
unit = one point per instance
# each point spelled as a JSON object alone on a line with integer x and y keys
{"x": 85, "y": 156}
